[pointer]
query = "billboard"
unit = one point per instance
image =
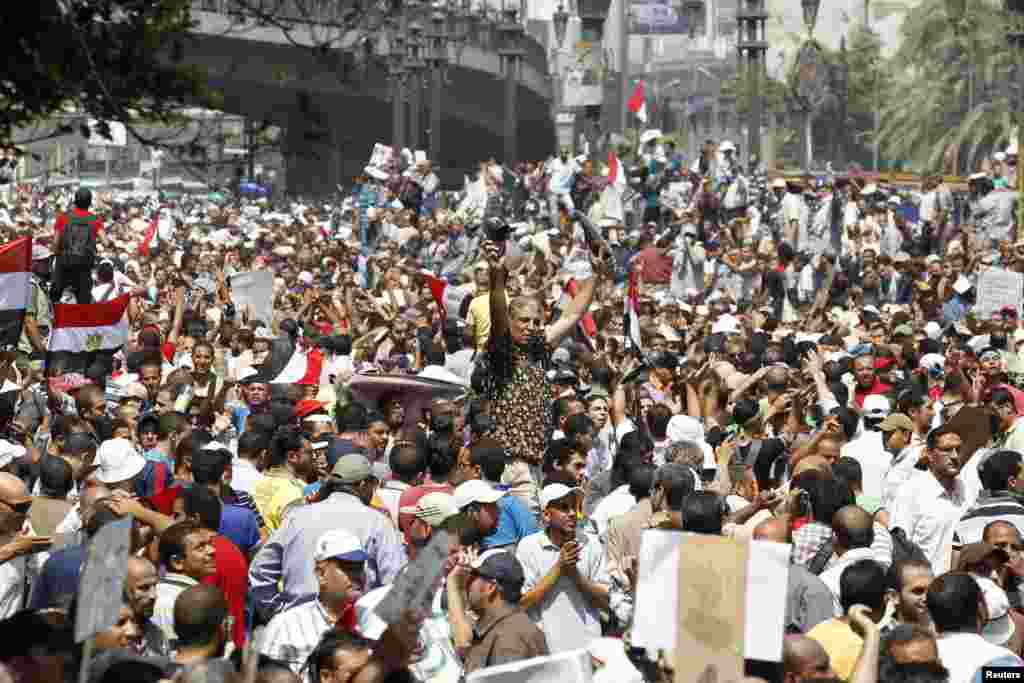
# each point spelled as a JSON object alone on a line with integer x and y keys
{"x": 660, "y": 17}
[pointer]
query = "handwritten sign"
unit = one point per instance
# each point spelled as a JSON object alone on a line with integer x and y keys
{"x": 255, "y": 290}
{"x": 415, "y": 587}
{"x": 574, "y": 666}
{"x": 998, "y": 288}
{"x": 103, "y": 575}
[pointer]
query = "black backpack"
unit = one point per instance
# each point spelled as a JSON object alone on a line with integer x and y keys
{"x": 78, "y": 245}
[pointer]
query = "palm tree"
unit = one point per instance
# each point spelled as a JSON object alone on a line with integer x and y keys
{"x": 951, "y": 100}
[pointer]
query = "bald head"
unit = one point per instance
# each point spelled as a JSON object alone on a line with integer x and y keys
{"x": 812, "y": 462}
{"x": 778, "y": 377}
{"x": 854, "y": 527}
{"x": 199, "y": 614}
{"x": 804, "y": 658}
{"x": 998, "y": 529}
{"x": 12, "y": 489}
{"x": 774, "y": 529}
{"x": 139, "y": 567}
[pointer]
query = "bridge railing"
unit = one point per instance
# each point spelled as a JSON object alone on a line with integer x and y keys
{"x": 329, "y": 13}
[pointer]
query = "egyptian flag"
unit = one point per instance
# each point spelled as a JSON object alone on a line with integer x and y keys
{"x": 15, "y": 289}
{"x": 637, "y": 102}
{"x": 151, "y": 235}
{"x": 632, "y": 311}
{"x": 289, "y": 363}
{"x": 437, "y": 287}
{"x": 586, "y": 324}
{"x": 86, "y": 333}
{"x": 612, "y": 195}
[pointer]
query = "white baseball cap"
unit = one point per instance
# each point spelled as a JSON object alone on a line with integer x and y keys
{"x": 553, "y": 492}
{"x": 476, "y": 491}
{"x": 999, "y": 628}
{"x": 118, "y": 461}
{"x": 876, "y": 406}
{"x": 433, "y": 508}
{"x": 339, "y": 544}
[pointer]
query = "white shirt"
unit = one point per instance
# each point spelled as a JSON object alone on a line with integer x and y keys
{"x": 618, "y": 502}
{"x": 292, "y": 635}
{"x": 965, "y": 653}
{"x": 874, "y": 460}
{"x": 568, "y": 618}
{"x": 830, "y": 577}
{"x": 390, "y": 492}
{"x": 167, "y": 591}
{"x": 244, "y": 475}
{"x": 901, "y": 468}
{"x": 16, "y": 578}
{"x": 928, "y": 513}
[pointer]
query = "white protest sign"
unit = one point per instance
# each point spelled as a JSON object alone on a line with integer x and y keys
{"x": 380, "y": 157}
{"x": 256, "y": 290}
{"x": 655, "y": 626}
{"x": 998, "y": 288}
{"x": 574, "y": 666}
{"x": 102, "y": 582}
{"x": 453, "y": 298}
{"x": 415, "y": 587}
{"x": 118, "y": 134}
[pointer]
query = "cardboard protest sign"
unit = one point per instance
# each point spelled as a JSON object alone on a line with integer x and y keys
{"x": 574, "y": 666}
{"x": 711, "y": 610}
{"x": 415, "y": 587}
{"x": 102, "y": 582}
{"x": 256, "y": 290}
{"x": 680, "y": 568}
{"x": 998, "y": 288}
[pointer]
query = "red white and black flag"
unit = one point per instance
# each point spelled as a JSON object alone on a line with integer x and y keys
{"x": 631, "y": 310}
{"x": 82, "y": 332}
{"x": 15, "y": 289}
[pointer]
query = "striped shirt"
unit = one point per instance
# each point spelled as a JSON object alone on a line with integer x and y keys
{"x": 292, "y": 635}
{"x": 167, "y": 591}
{"x": 989, "y": 508}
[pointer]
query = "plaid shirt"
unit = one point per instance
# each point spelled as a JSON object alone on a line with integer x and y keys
{"x": 807, "y": 540}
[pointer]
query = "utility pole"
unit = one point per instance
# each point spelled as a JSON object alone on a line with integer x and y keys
{"x": 753, "y": 46}
{"x": 623, "y": 66}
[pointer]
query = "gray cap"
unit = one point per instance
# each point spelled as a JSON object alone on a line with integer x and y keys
{"x": 352, "y": 469}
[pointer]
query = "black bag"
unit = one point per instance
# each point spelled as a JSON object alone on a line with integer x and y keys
{"x": 817, "y": 564}
{"x": 903, "y": 549}
{"x": 78, "y": 245}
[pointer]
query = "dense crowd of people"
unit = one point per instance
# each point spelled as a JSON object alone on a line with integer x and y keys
{"x": 800, "y": 361}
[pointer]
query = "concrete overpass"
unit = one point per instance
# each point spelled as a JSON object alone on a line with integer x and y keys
{"x": 332, "y": 122}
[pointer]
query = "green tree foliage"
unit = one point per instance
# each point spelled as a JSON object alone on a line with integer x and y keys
{"x": 105, "y": 59}
{"x": 951, "y": 95}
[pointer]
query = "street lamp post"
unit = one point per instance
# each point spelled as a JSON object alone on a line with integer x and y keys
{"x": 810, "y": 9}
{"x": 415, "y": 67}
{"x": 511, "y": 54}
{"x": 753, "y": 46}
{"x": 397, "y": 74}
{"x": 692, "y": 9}
{"x": 438, "y": 63}
{"x": 561, "y": 21}
{"x": 1015, "y": 37}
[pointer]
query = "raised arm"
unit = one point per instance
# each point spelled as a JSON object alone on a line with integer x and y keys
{"x": 572, "y": 314}
{"x": 498, "y": 297}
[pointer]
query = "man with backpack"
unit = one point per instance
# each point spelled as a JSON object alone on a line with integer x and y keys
{"x": 75, "y": 249}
